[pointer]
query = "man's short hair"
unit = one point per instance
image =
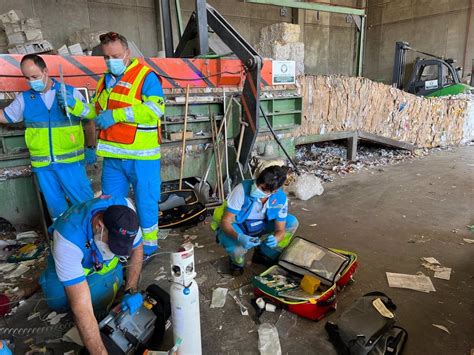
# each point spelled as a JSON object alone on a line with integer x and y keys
{"x": 272, "y": 178}
{"x": 113, "y": 37}
{"x": 35, "y": 58}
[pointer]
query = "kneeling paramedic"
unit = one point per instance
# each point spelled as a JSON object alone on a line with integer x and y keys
{"x": 254, "y": 209}
{"x": 85, "y": 271}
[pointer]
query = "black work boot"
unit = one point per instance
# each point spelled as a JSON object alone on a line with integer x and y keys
{"x": 235, "y": 270}
{"x": 259, "y": 258}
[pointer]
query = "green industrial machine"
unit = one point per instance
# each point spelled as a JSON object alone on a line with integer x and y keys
{"x": 20, "y": 199}
{"x": 432, "y": 77}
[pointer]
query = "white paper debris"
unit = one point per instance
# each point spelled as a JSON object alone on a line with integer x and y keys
{"x": 443, "y": 273}
{"x": 305, "y": 209}
{"x": 268, "y": 340}
{"x": 29, "y": 234}
{"x": 468, "y": 241}
{"x": 7, "y": 267}
{"x": 33, "y": 316}
{"x": 313, "y": 225}
{"x": 57, "y": 318}
{"x": 198, "y": 246}
{"x": 413, "y": 282}
{"x": 160, "y": 277}
{"x": 442, "y": 327}
{"x": 51, "y": 315}
{"x": 20, "y": 270}
{"x": 431, "y": 260}
{"x": 218, "y": 297}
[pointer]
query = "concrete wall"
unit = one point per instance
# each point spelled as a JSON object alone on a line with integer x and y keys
{"x": 329, "y": 38}
{"x": 330, "y": 42}
{"x": 59, "y": 18}
{"x": 433, "y": 26}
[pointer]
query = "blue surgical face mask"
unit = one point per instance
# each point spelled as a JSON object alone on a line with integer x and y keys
{"x": 37, "y": 85}
{"x": 255, "y": 192}
{"x": 116, "y": 66}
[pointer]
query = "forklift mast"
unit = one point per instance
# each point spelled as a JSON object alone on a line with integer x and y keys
{"x": 428, "y": 75}
{"x": 194, "y": 42}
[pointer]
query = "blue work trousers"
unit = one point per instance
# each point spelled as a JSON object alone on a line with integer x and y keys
{"x": 103, "y": 288}
{"x": 237, "y": 252}
{"x": 62, "y": 182}
{"x": 145, "y": 178}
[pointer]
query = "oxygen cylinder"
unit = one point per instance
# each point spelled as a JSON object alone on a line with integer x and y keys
{"x": 184, "y": 294}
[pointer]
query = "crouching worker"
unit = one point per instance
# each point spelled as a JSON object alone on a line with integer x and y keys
{"x": 85, "y": 271}
{"x": 256, "y": 215}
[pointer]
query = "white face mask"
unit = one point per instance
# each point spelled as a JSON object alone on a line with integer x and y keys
{"x": 102, "y": 246}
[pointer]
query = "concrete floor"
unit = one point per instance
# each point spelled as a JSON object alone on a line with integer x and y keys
{"x": 382, "y": 215}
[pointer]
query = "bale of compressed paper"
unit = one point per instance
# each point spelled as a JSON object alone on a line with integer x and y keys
{"x": 280, "y": 41}
{"x": 338, "y": 103}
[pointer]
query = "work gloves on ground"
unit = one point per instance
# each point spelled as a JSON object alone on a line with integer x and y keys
{"x": 105, "y": 119}
{"x": 69, "y": 100}
{"x": 132, "y": 302}
{"x": 90, "y": 155}
{"x": 271, "y": 241}
{"x": 248, "y": 242}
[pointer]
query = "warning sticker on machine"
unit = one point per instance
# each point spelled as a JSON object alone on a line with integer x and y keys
{"x": 284, "y": 72}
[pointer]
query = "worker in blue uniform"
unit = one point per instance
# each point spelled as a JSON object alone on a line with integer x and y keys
{"x": 127, "y": 107}
{"x": 84, "y": 272}
{"x": 54, "y": 140}
{"x": 256, "y": 215}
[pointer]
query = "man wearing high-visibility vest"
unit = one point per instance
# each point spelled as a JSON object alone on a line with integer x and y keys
{"x": 54, "y": 140}
{"x": 90, "y": 242}
{"x": 127, "y": 107}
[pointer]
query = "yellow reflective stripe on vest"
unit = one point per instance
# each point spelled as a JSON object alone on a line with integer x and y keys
{"x": 130, "y": 98}
{"x": 67, "y": 142}
{"x": 112, "y": 264}
{"x": 111, "y": 150}
{"x": 52, "y": 124}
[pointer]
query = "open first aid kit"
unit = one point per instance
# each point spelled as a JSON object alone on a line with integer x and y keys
{"x": 306, "y": 278}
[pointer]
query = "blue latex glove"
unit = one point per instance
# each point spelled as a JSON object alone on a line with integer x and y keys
{"x": 91, "y": 157}
{"x": 70, "y": 99}
{"x": 4, "y": 349}
{"x": 271, "y": 241}
{"x": 105, "y": 120}
{"x": 248, "y": 242}
{"x": 132, "y": 302}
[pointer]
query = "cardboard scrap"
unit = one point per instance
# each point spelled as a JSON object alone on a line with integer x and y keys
{"x": 431, "y": 260}
{"x": 443, "y": 273}
{"x": 20, "y": 270}
{"x": 418, "y": 282}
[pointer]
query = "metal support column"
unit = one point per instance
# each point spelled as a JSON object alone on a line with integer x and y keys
{"x": 167, "y": 28}
{"x": 352, "y": 147}
{"x": 360, "y": 51}
{"x": 179, "y": 18}
{"x": 203, "y": 37}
